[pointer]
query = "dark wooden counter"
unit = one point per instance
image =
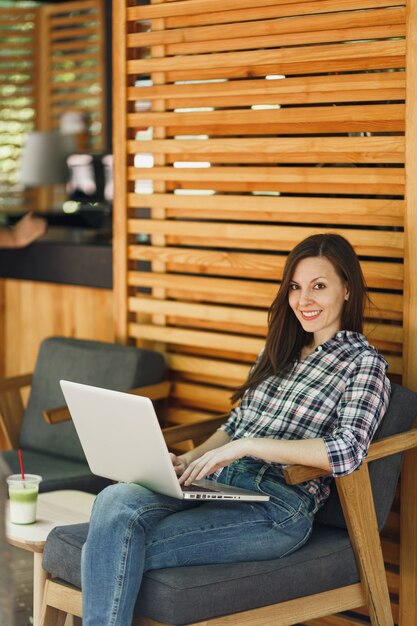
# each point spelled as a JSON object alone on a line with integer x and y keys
{"x": 69, "y": 258}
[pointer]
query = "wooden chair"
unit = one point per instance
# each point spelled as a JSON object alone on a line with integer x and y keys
{"x": 53, "y": 449}
{"x": 339, "y": 569}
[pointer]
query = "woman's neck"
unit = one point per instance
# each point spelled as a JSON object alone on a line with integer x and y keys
{"x": 307, "y": 350}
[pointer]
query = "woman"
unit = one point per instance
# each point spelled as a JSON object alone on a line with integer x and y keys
{"x": 315, "y": 396}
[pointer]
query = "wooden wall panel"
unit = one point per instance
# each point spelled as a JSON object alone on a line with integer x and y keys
{"x": 74, "y": 66}
{"x": 240, "y": 137}
{"x": 18, "y": 99}
{"x": 52, "y": 60}
{"x": 33, "y": 311}
{"x": 240, "y": 130}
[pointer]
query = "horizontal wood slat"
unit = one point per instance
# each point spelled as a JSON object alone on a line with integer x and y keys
{"x": 201, "y": 396}
{"x": 308, "y": 55}
{"x": 175, "y": 416}
{"x": 229, "y": 342}
{"x": 225, "y": 371}
{"x": 293, "y": 90}
{"x": 299, "y": 118}
{"x": 288, "y": 39}
{"x": 279, "y": 150}
{"x": 221, "y": 34}
{"x": 199, "y": 311}
{"x": 204, "y": 12}
{"x": 88, "y": 45}
{"x": 281, "y": 209}
{"x": 336, "y": 65}
{"x": 335, "y": 180}
{"x": 383, "y": 243}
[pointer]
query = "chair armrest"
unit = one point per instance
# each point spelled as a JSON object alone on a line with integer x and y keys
{"x": 12, "y": 409}
{"x": 356, "y": 499}
{"x": 392, "y": 445}
{"x": 201, "y": 429}
{"x": 15, "y": 382}
{"x": 159, "y": 391}
{"x": 57, "y": 415}
{"x": 154, "y": 392}
{"x": 295, "y": 474}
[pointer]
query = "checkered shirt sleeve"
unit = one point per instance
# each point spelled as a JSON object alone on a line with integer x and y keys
{"x": 358, "y": 415}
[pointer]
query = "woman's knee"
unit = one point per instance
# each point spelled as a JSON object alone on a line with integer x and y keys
{"x": 117, "y": 501}
{"x": 125, "y": 504}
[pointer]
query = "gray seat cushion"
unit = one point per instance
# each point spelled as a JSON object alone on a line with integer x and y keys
{"x": 57, "y": 473}
{"x": 186, "y": 594}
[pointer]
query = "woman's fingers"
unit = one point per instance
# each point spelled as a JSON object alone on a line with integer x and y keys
{"x": 196, "y": 470}
{"x": 210, "y": 462}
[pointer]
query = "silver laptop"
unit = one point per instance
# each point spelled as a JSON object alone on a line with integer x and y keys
{"x": 122, "y": 440}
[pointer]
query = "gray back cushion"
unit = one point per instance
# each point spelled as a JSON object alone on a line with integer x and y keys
{"x": 384, "y": 473}
{"x": 91, "y": 362}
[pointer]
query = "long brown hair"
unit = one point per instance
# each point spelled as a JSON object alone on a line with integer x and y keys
{"x": 286, "y": 337}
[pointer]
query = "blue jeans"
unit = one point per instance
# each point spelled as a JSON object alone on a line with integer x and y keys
{"x": 133, "y": 530}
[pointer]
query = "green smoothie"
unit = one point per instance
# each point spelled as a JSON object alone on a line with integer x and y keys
{"x": 28, "y": 494}
{"x": 23, "y": 495}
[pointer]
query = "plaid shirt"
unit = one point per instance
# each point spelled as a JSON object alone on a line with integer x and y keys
{"x": 339, "y": 393}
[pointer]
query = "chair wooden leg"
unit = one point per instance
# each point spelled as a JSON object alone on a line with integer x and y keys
{"x": 51, "y": 616}
{"x": 357, "y": 502}
{"x": 73, "y": 621}
{"x": 59, "y": 601}
{"x": 408, "y": 554}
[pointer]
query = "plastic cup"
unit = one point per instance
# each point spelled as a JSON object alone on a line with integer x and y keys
{"x": 23, "y": 496}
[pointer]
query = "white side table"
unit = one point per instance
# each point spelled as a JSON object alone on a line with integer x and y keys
{"x": 55, "y": 508}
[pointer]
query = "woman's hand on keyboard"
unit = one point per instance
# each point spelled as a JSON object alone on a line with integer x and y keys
{"x": 214, "y": 460}
{"x": 179, "y": 463}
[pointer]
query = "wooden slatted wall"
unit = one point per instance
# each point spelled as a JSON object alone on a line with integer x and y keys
{"x": 260, "y": 126}
{"x": 18, "y": 98}
{"x": 74, "y": 70}
{"x": 242, "y": 127}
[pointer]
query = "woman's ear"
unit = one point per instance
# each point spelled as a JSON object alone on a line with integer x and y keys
{"x": 346, "y": 293}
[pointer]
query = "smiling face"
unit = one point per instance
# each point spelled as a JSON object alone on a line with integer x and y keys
{"x": 317, "y": 295}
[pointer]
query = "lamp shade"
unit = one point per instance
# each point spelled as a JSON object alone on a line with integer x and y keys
{"x": 43, "y": 159}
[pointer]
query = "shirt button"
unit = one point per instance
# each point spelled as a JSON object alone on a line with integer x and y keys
{"x": 319, "y": 348}
{"x": 339, "y": 335}
{"x": 280, "y": 388}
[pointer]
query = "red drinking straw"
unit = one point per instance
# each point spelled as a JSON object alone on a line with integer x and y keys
{"x": 22, "y": 469}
